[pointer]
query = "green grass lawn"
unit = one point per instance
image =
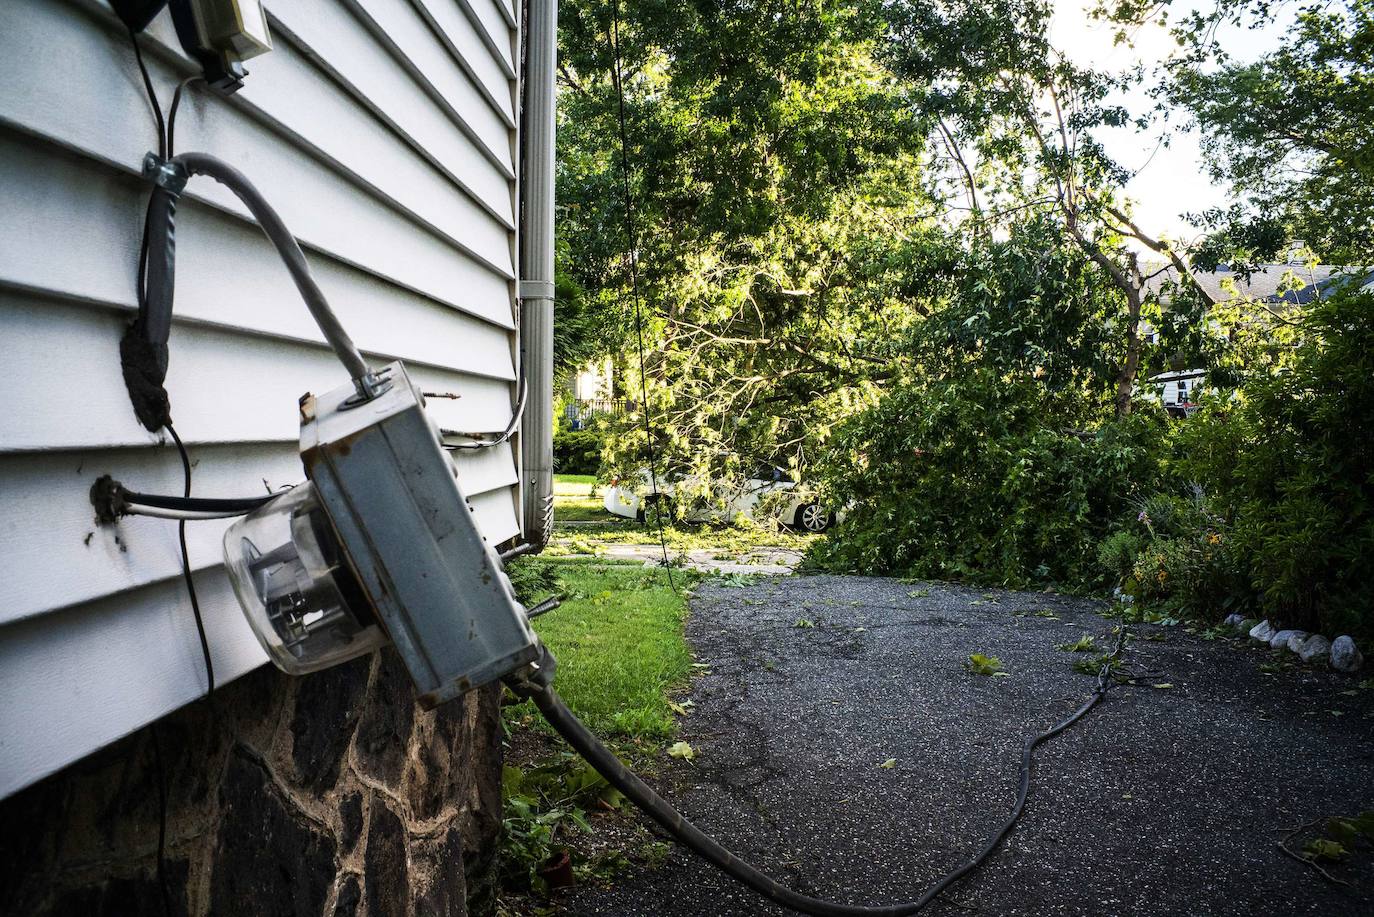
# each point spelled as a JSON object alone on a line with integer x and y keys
{"x": 618, "y": 638}
{"x": 724, "y": 540}
{"x": 574, "y": 485}
{"x": 577, "y": 498}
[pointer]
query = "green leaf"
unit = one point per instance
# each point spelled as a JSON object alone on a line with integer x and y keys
{"x": 681, "y": 750}
{"x": 980, "y": 664}
{"x": 1343, "y": 831}
{"x": 1322, "y": 849}
{"x": 889, "y": 764}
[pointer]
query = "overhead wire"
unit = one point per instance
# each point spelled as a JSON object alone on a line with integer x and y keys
{"x": 632, "y": 243}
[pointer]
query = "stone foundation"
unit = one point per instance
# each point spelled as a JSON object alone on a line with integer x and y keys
{"x": 331, "y": 794}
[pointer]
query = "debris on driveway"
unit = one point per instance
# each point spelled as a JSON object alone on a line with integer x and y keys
{"x": 858, "y": 760}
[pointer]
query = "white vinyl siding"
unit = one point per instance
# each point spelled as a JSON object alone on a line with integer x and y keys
{"x": 383, "y": 131}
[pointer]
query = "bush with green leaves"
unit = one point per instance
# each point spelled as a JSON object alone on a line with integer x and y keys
{"x": 577, "y": 451}
{"x": 968, "y": 479}
{"x": 1183, "y": 561}
{"x": 1287, "y": 456}
{"x": 1277, "y": 519}
{"x": 998, "y": 456}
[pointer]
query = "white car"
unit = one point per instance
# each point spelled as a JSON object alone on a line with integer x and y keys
{"x": 799, "y": 511}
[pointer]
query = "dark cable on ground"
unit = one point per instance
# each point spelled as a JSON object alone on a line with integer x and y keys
{"x": 604, "y": 761}
{"x": 632, "y": 241}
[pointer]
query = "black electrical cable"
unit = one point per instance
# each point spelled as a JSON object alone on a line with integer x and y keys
{"x": 199, "y": 504}
{"x": 152, "y": 96}
{"x": 172, "y": 113}
{"x": 632, "y": 241}
{"x": 190, "y": 582}
{"x": 141, "y": 293}
{"x": 161, "y": 776}
{"x": 604, "y": 761}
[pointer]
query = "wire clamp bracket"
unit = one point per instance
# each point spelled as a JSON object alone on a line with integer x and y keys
{"x": 167, "y": 174}
{"x": 535, "y": 677}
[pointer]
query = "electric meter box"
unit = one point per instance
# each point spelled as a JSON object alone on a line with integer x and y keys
{"x": 391, "y": 491}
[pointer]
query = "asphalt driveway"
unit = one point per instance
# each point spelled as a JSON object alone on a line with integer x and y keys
{"x": 1165, "y": 801}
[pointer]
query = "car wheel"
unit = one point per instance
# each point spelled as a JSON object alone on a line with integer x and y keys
{"x": 643, "y": 516}
{"x": 813, "y": 518}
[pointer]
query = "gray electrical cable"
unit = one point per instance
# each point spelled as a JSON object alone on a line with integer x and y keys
{"x": 288, "y": 249}
{"x": 478, "y": 442}
{"x": 604, "y": 761}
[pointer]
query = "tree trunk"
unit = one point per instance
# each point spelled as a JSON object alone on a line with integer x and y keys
{"x": 1130, "y": 366}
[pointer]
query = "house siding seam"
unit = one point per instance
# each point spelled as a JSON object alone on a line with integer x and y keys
{"x": 382, "y": 130}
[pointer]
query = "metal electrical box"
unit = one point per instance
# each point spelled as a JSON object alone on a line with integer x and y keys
{"x": 391, "y": 492}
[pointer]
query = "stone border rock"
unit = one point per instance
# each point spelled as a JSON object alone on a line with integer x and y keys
{"x": 1342, "y": 654}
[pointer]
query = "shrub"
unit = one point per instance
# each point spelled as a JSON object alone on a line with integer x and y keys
{"x": 1288, "y": 456}
{"x": 1281, "y": 519}
{"x": 972, "y": 479}
{"x": 577, "y": 451}
{"x": 1116, "y": 555}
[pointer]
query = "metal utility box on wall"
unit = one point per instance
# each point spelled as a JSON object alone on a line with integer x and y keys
{"x": 393, "y": 496}
{"x": 386, "y": 136}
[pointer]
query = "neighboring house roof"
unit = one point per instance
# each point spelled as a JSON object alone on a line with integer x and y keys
{"x": 1265, "y": 280}
{"x": 1262, "y": 283}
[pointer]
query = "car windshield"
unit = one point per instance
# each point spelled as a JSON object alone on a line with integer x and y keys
{"x": 769, "y": 472}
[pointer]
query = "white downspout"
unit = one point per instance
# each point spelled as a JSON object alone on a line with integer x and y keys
{"x": 536, "y": 269}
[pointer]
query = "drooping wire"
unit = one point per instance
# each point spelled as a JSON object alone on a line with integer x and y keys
{"x": 190, "y": 581}
{"x": 141, "y": 292}
{"x": 632, "y": 243}
{"x": 165, "y": 136}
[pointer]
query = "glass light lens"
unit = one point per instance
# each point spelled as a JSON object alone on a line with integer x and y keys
{"x": 296, "y": 587}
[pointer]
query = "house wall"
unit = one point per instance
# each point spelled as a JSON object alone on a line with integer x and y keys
{"x": 384, "y": 133}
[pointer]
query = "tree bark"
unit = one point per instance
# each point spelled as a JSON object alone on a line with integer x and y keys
{"x": 1130, "y": 366}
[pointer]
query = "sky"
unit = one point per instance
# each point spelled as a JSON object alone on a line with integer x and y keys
{"x": 1173, "y": 180}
